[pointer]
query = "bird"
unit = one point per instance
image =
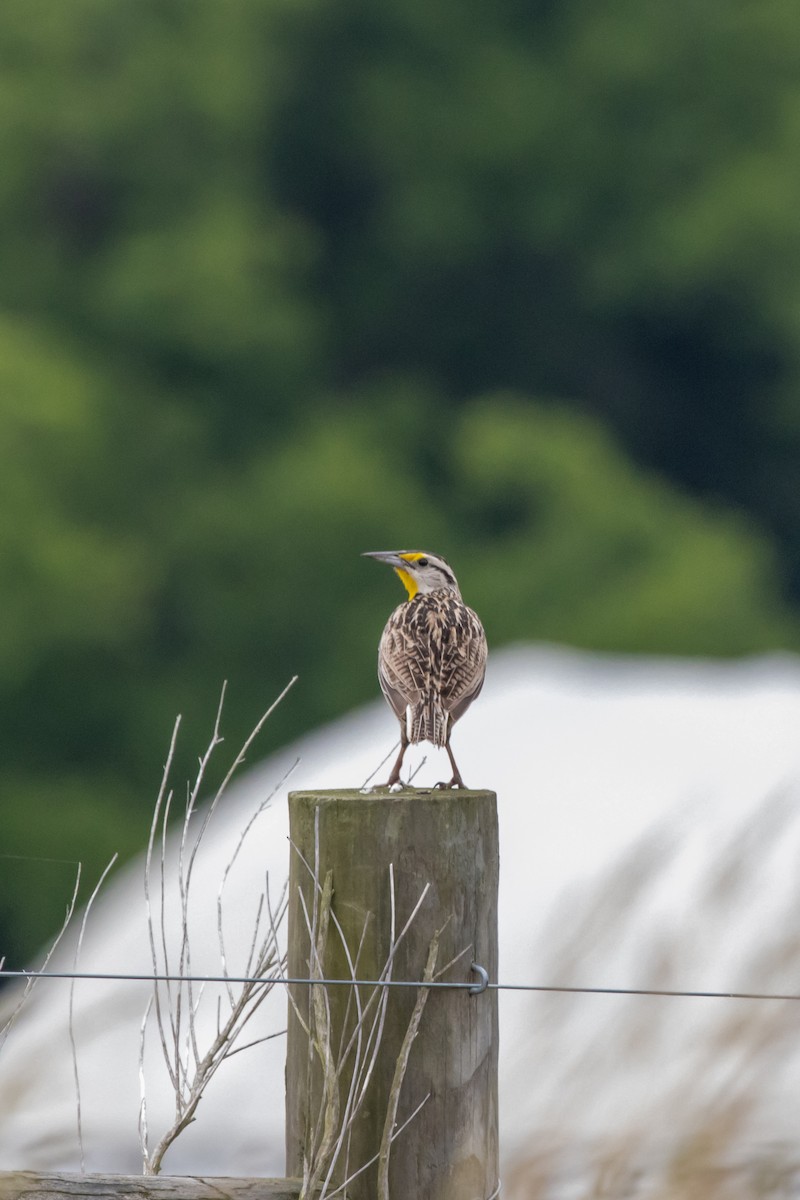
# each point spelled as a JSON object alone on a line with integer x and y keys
{"x": 432, "y": 655}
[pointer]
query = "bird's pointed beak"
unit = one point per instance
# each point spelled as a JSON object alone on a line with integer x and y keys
{"x": 386, "y": 556}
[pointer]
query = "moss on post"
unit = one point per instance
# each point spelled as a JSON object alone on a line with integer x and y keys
{"x": 447, "y": 841}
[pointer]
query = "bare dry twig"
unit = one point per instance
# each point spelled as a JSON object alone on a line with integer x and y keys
{"x": 176, "y": 1005}
{"x": 72, "y": 1043}
{"x": 31, "y": 982}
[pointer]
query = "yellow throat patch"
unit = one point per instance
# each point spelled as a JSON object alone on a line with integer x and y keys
{"x": 409, "y": 582}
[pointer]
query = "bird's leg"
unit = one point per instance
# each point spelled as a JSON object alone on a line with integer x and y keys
{"x": 395, "y": 775}
{"x": 456, "y": 781}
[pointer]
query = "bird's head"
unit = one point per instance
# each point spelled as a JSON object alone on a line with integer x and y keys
{"x": 420, "y": 571}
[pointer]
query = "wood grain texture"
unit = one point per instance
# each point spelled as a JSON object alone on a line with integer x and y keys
{"x": 29, "y": 1185}
{"x": 448, "y": 839}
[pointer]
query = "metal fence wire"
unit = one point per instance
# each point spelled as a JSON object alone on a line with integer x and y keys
{"x": 483, "y": 983}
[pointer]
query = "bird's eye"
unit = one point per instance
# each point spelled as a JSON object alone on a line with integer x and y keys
{"x": 422, "y": 562}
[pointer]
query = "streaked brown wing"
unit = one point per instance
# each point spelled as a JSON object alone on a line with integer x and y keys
{"x": 463, "y": 664}
{"x": 398, "y": 672}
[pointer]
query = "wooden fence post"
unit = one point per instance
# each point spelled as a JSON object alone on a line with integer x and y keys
{"x": 351, "y": 846}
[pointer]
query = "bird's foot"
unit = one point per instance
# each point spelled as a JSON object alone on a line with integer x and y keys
{"x": 455, "y": 782}
{"x": 391, "y": 785}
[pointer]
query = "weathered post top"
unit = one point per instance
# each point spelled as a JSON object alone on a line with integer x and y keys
{"x": 393, "y": 886}
{"x": 364, "y": 796}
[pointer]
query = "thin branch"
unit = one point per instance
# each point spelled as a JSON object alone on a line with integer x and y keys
{"x": 142, "y": 1089}
{"x": 456, "y": 957}
{"x": 32, "y": 980}
{"x": 400, "y": 1070}
{"x": 322, "y": 1044}
{"x": 329, "y": 1131}
{"x": 416, "y": 770}
{"x": 154, "y": 825}
{"x": 365, "y": 1166}
{"x": 244, "y": 834}
{"x": 71, "y": 1024}
{"x": 382, "y": 763}
{"x": 268, "y": 1037}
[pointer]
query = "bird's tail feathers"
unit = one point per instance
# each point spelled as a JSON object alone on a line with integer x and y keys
{"x": 428, "y": 723}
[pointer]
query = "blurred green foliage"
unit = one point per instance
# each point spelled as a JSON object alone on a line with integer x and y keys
{"x": 284, "y": 281}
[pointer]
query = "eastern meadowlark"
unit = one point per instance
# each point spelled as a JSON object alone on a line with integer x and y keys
{"x": 432, "y": 654}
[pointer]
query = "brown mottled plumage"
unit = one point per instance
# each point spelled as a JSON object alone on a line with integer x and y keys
{"x": 432, "y": 655}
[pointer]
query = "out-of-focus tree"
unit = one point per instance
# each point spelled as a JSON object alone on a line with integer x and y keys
{"x": 595, "y": 202}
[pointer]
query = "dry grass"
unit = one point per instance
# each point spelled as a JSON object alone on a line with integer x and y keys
{"x": 681, "y": 1093}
